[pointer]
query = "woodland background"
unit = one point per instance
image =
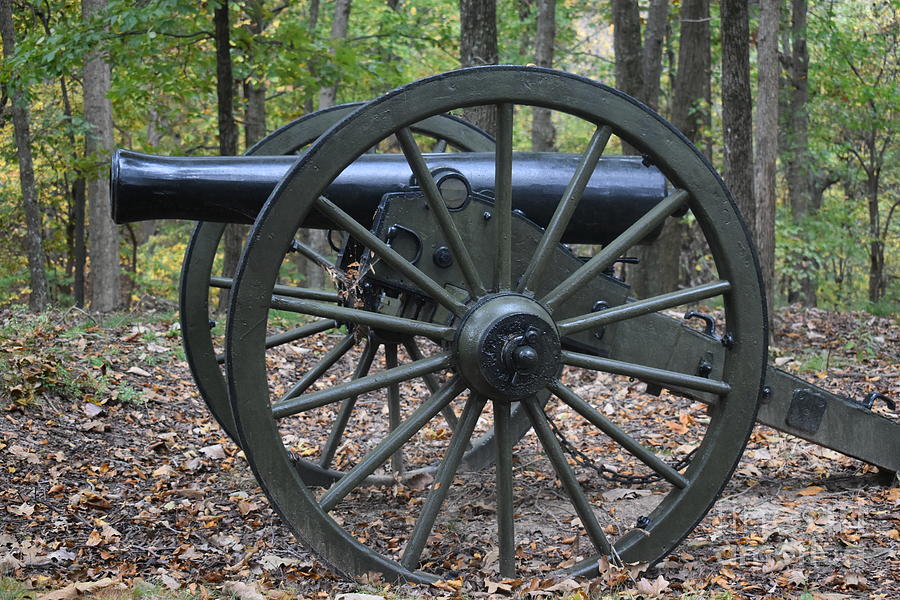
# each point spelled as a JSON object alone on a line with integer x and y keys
{"x": 795, "y": 101}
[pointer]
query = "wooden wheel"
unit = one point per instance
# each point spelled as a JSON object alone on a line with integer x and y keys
{"x": 524, "y": 318}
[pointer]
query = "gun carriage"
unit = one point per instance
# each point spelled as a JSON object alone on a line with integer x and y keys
{"x": 491, "y": 273}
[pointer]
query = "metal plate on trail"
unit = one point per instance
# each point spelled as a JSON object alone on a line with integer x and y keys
{"x": 807, "y": 410}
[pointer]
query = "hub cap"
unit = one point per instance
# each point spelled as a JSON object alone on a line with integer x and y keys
{"x": 508, "y": 347}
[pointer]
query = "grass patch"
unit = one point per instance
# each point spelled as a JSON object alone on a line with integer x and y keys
{"x": 10, "y": 589}
{"x": 43, "y": 356}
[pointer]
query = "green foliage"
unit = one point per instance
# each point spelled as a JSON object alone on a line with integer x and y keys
{"x": 164, "y": 101}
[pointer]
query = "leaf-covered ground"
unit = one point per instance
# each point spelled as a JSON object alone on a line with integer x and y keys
{"x": 111, "y": 467}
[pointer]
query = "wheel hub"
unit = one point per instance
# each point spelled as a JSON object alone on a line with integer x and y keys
{"x": 508, "y": 347}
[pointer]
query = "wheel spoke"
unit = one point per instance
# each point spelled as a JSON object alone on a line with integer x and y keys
{"x": 391, "y": 443}
{"x": 431, "y": 382}
{"x": 292, "y": 406}
{"x": 292, "y": 335}
{"x": 642, "y": 307}
{"x": 442, "y": 481}
{"x": 613, "y": 431}
{"x": 362, "y": 317}
{"x": 565, "y": 209}
{"x": 441, "y": 212}
{"x": 340, "y": 423}
{"x": 327, "y": 361}
{"x": 390, "y": 362}
{"x": 635, "y": 233}
{"x": 503, "y": 197}
{"x": 652, "y": 374}
{"x": 310, "y": 253}
{"x": 283, "y": 290}
{"x": 506, "y": 536}
{"x": 390, "y": 256}
{"x": 567, "y": 476}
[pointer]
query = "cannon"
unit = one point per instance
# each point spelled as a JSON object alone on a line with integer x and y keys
{"x": 492, "y": 275}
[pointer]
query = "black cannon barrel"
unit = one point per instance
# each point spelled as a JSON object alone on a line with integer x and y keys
{"x": 233, "y": 189}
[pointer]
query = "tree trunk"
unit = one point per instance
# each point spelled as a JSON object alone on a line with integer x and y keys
{"x": 875, "y": 160}
{"x": 224, "y": 81}
{"x": 543, "y": 133}
{"x": 627, "y": 46}
{"x": 254, "y": 91}
{"x": 737, "y": 109}
{"x": 34, "y": 249}
{"x": 877, "y": 283}
{"x": 478, "y": 46}
{"x": 328, "y": 95}
{"x": 317, "y": 238}
{"x": 654, "y": 35}
{"x": 657, "y": 270}
{"x": 691, "y": 94}
{"x": 233, "y": 239}
{"x": 103, "y": 248}
{"x": 311, "y": 24}
{"x": 77, "y": 191}
{"x": 691, "y": 101}
{"x": 75, "y": 227}
{"x": 524, "y": 9}
{"x": 798, "y": 160}
{"x": 767, "y": 142}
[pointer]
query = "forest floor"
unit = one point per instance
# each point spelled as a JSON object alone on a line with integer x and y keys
{"x": 113, "y": 473}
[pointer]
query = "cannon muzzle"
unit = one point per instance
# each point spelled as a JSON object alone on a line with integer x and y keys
{"x": 233, "y": 189}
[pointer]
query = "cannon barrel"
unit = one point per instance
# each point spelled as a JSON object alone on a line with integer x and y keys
{"x": 233, "y": 189}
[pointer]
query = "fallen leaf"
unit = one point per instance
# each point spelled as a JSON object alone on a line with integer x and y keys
{"x": 356, "y": 596}
{"x": 566, "y": 585}
{"x": 419, "y": 481}
{"x": 23, "y": 510}
{"x": 652, "y": 588}
{"x": 170, "y": 582}
{"x": 109, "y": 532}
{"x": 94, "y": 539}
{"x": 9, "y": 563}
{"x": 62, "y": 555}
{"x": 243, "y": 591}
{"x": 163, "y": 471}
{"x": 91, "y": 410}
{"x": 24, "y": 454}
{"x": 75, "y": 590}
{"x": 246, "y": 507}
{"x": 272, "y": 562}
{"x": 216, "y": 451}
{"x": 811, "y": 490}
{"x": 138, "y": 371}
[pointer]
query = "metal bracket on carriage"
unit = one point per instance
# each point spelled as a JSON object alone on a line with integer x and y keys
{"x": 709, "y": 322}
{"x": 871, "y": 397}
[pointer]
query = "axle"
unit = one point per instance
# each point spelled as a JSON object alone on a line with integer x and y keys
{"x": 233, "y": 189}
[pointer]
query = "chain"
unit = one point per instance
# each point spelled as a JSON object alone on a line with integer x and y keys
{"x": 606, "y": 472}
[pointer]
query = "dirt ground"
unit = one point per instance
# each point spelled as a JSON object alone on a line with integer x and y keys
{"x": 139, "y": 481}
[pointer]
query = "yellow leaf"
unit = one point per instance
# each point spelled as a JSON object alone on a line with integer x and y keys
{"x": 811, "y": 490}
